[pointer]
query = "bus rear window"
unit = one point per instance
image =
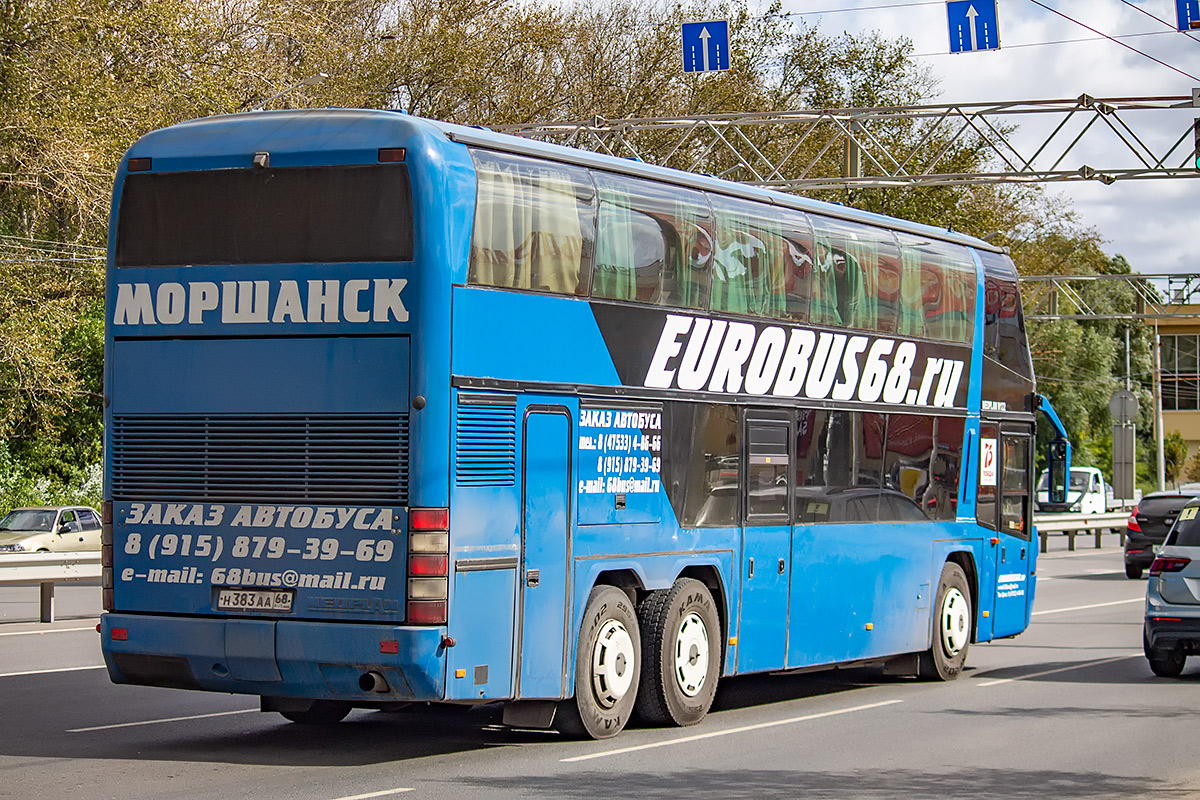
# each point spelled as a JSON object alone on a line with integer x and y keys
{"x": 266, "y": 216}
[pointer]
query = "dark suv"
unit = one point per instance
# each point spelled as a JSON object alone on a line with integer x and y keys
{"x": 1149, "y": 523}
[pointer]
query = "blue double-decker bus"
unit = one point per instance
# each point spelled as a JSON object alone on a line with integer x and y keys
{"x": 399, "y": 410}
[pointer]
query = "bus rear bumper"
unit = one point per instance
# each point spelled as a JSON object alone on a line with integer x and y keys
{"x": 276, "y": 658}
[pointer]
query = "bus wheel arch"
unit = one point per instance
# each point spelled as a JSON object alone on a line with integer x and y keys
{"x": 627, "y": 580}
{"x": 966, "y": 562}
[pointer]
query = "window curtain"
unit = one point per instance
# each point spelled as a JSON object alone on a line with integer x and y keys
{"x": 528, "y": 231}
{"x": 748, "y": 263}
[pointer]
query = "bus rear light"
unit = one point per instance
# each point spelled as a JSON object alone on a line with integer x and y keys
{"x": 426, "y": 612}
{"x": 1168, "y": 564}
{"x": 119, "y": 634}
{"x": 106, "y": 600}
{"x": 426, "y": 588}
{"x": 106, "y": 555}
{"x": 391, "y": 155}
{"x": 428, "y": 565}
{"x": 138, "y": 165}
{"x": 429, "y": 519}
{"x": 106, "y": 512}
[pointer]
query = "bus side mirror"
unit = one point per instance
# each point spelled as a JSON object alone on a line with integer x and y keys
{"x": 1058, "y": 466}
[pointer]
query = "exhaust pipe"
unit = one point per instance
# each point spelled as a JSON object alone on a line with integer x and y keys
{"x": 373, "y": 682}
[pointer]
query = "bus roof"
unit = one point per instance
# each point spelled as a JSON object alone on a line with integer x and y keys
{"x": 350, "y": 129}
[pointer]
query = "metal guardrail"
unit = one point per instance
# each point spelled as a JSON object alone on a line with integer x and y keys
{"x": 48, "y": 569}
{"x": 1074, "y": 524}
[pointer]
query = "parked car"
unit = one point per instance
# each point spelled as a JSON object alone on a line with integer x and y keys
{"x": 1148, "y": 525}
{"x": 1171, "y": 631}
{"x": 50, "y": 529}
{"x": 1087, "y": 493}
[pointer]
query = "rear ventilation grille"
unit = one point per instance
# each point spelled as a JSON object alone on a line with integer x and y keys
{"x": 486, "y": 445}
{"x": 258, "y": 458}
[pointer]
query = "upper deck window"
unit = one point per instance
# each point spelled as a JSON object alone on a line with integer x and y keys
{"x": 938, "y": 278}
{"x": 266, "y": 216}
{"x": 762, "y": 262}
{"x": 1004, "y": 336}
{"x": 856, "y": 276}
{"x": 654, "y": 243}
{"x": 534, "y": 223}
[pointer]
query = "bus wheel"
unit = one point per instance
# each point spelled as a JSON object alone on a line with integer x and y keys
{"x": 951, "y": 627}
{"x": 681, "y": 654}
{"x": 321, "y": 712}
{"x": 607, "y": 662}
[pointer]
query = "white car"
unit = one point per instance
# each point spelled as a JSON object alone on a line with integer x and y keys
{"x": 50, "y": 529}
{"x": 1087, "y": 493}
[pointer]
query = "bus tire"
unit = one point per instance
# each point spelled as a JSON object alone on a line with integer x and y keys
{"x": 681, "y": 654}
{"x": 607, "y": 665}
{"x": 951, "y": 627}
{"x": 321, "y": 712}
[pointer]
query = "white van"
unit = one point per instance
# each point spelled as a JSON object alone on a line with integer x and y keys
{"x": 1087, "y": 493}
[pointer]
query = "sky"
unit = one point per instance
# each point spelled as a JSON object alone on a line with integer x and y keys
{"x": 1155, "y": 224}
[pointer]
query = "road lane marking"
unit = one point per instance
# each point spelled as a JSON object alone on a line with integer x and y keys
{"x": 48, "y": 671}
{"x": 43, "y": 633}
{"x": 1083, "y": 665}
{"x": 1084, "y": 608}
{"x": 383, "y": 793}
{"x": 157, "y": 721}
{"x": 742, "y": 729}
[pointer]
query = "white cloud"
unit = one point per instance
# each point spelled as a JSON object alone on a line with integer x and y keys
{"x": 1151, "y": 222}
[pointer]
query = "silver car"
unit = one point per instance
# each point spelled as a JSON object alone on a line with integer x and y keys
{"x": 1172, "y": 628}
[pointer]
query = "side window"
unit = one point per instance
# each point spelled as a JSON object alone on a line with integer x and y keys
{"x": 839, "y": 463}
{"x": 768, "y": 477}
{"x": 989, "y": 473}
{"x": 1014, "y": 499}
{"x": 534, "y": 223}
{"x": 945, "y": 275}
{"x": 654, "y": 243}
{"x": 908, "y": 467}
{"x": 762, "y": 259}
{"x": 88, "y": 519}
{"x": 849, "y": 260}
{"x": 701, "y": 463}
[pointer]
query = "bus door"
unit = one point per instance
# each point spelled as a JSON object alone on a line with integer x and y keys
{"x": 1006, "y": 463}
{"x": 545, "y": 552}
{"x": 766, "y": 542}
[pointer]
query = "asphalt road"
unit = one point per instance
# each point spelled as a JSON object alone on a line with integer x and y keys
{"x": 1068, "y": 709}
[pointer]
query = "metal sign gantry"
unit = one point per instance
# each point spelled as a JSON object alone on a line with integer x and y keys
{"x": 1144, "y": 296}
{"x": 899, "y": 146}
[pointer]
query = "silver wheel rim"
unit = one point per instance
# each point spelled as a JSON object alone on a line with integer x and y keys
{"x": 613, "y": 666}
{"x": 691, "y": 655}
{"x": 955, "y": 622}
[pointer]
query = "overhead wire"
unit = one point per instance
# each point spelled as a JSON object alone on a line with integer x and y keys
{"x": 1099, "y": 34}
{"x": 1114, "y": 40}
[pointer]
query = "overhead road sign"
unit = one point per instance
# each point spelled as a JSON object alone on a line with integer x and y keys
{"x": 706, "y": 46}
{"x": 1187, "y": 15}
{"x": 975, "y": 25}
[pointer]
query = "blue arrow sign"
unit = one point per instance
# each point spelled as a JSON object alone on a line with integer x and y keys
{"x": 706, "y": 46}
{"x": 974, "y": 25}
{"x": 1187, "y": 15}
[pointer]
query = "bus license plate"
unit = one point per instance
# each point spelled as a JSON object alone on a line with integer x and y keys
{"x": 253, "y": 600}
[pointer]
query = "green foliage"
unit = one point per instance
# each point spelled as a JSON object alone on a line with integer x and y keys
{"x": 81, "y": 80}
{"x": 1175, "y": 454}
